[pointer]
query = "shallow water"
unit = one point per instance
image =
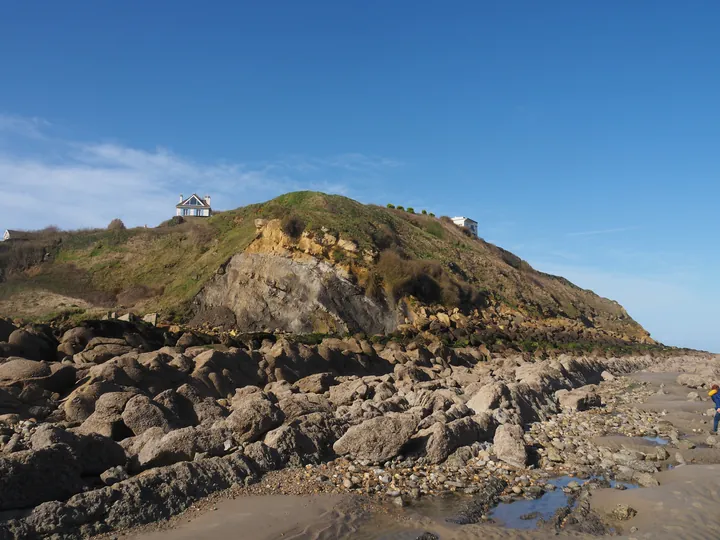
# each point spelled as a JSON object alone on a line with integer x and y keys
{"x": 657, "y": 440}
{"x": 511, "y": 515}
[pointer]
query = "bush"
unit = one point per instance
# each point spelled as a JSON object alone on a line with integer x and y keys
{"x": 434, "y": 228}
{"x": 400, "y": 207}
{"x": 432, "y": 215}
{"x": 446, "y": 219}
{"x": 390, "y": 206}
{"x": 116, "y": 225}
{"x": 411, "y": 210}
{"x": 424, "y": 212}
{"x": 292, "y": 225}
{"x": 175, "y": 221}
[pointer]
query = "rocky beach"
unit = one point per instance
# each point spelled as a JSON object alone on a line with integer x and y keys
{"x": 137, "y": 425}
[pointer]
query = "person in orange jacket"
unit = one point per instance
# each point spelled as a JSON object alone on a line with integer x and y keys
{"x": 714, "y": 393}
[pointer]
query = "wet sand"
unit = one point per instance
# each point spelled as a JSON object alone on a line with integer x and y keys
{"x": 262, "y": 518}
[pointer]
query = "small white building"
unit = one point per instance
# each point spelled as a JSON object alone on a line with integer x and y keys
{"x": 466, "y": 222}
{"x": 194, "y": 206}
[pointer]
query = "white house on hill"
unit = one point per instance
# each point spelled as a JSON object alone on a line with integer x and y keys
{"x": 466, "y": 222}
{"x": 194, "y": 206}
{"x": 15, "y": 235}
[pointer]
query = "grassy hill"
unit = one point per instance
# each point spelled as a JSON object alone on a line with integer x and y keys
{"x": 399, "y": 254}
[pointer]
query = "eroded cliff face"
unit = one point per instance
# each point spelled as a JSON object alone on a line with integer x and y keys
{"x": 271, "y": 291}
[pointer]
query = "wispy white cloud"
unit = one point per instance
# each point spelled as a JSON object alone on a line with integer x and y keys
{"x": 25, "y": 127}
{"x": 602, "y": 231}
{"x": 72, "y": 184}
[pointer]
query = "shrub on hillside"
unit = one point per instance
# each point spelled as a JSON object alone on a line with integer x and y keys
{"x": 292, "y": 225}
{"x": 426, "y": 280}
{"x": 399, "y": 207}
{"x": 431, "y": 214}
{"x": 411, "y": 210}
{"x": 390, "y": 206}
{"x": 446, "y": 219}
{"x": 116, "y": 225}
{"x": 424, "y": 212}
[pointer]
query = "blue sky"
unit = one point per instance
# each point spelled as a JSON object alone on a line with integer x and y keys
{"x": 583, "y": 136}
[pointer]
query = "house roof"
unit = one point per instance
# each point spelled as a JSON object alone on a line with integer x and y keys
{"x": 463, "y": 218}
{"x": 193, "y": 201}
{"x": 17, "y": 234}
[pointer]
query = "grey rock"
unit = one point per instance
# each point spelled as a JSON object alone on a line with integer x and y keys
{"x": 252, "y": 417}
{"x": 114, "y": 475}
{"x": 94, "y": 453}
{"x": 155, "y": 495}
{"x": 378, "y": 439}
{"x": 509, "y": 445}
{"x": 141, "y": 413}
{"x": 30, "y": 477}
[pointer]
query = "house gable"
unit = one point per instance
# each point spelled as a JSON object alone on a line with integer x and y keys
{"x": 194, "y": 201}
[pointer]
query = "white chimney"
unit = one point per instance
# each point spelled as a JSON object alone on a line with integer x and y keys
{"x": 181, "y": 198}
{"x": 207, "y": 200}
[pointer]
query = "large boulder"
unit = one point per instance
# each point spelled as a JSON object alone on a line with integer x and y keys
{"x": 101, "y": 349}
{"x": 253, "y": 415}
{"x": 217, "y": 374}
{"x": 377, "y": 439}
{"x": 159, "y": 448}
{"x": 107, "y": 418}
{"x": 443, "y": 439}
{"x": 54, "y": 376}
{"x": 30, "y": 477}
{"x": 263, "y": 457}
{"x": 296, "y": 405}
{"x": 33, "y": 345}
{"x": 693, "y": 380}
{"x": 318, "y": 383}
{"x": 80, "y": 404}
{"x": 509, "y": 445}
{"x": 19, "y": 369}
{"x": 580, "y": 399}
{"x": 94, "y": 453}
{"x": 75, "y": 340}
{"x": 141, "y": 413}
{"x": 307, "y": 439}
{"x": 488, "y": 397}
{"x": 199, "y": 409}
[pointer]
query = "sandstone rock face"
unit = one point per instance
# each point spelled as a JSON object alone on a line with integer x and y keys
{"x": 270, "y": 291}
{"x": 509, "y": 445}
{"x": 377, "y": 439}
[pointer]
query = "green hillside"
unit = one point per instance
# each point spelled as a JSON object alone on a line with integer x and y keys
{"x": 399, "y": 253}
